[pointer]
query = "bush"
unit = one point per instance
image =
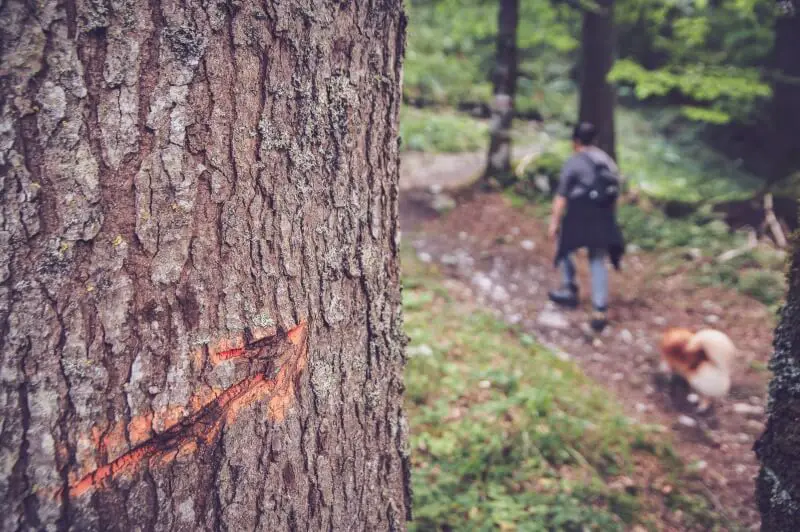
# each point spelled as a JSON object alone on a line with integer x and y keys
{"x": 764, "y": 285}
{"x": 431, "y": 131}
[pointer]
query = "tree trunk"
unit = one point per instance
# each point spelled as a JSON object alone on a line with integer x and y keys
{"x": 785, "y": 113}
{"x": 200, "y": 324}
{"x": 778, "y": 449}
{"x": 498, "y": 165}
{"x": 597, "y": 97}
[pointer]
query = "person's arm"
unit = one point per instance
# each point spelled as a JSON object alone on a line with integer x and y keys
{"x": 560, "y": 200}
{"x": 559, "y": 204}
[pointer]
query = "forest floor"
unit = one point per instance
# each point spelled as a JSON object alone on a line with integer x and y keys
{"x": 496, "y": 256}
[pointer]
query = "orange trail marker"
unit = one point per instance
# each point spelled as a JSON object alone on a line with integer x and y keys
{"x": 284, "y": 350}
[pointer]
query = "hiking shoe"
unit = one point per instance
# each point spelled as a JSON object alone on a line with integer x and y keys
{"x": 566, "y": 297}
{"x": 599, "y": 321}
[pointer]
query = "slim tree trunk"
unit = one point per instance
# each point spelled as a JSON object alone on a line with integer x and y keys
{"x": 785, "y": 112}
{"x": 778, "y": 449}
{"x": 597, "y": 96}
{"x": 200, "y": 323}
{"x": 505, "y": 82}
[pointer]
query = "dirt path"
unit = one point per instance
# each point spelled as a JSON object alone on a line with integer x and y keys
{"x": 500, "y": 257}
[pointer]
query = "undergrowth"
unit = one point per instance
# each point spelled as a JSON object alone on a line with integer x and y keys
{"x": 505, "y": 435}
{"x": 441, "y": 131}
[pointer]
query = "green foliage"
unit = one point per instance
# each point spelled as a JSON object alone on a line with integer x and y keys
{"x": 711, "y": 53}
{"x": 506, "y": 435}
{"x": 764, "y": 285}
{"x": 651, "y": 230}
{"x": 547, "y": 166}
{"x": 451, "y": 50}
{"x": 726, "y": 90}
{"x": 679, "y": 167}
{"x": 432, "y": 131}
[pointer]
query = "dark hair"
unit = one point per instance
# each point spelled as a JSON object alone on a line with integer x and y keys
{"x": 584, "y": 133}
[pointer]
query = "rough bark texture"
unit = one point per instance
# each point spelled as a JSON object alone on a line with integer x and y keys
{"x": 505, "y": 84}
{"x": 778, "y": 449}
{"x": 200, "y": 323}
{"x": 597, "y": 97}
{"x": 784, "y": 143}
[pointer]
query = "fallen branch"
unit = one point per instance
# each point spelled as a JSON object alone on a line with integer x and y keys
{"x": 525, "y": 161}
{"x": 752, "y": 242}
{"x": 773, "y": 223}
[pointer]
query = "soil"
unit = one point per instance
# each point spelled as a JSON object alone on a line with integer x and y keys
{"x": 499, "y": 256}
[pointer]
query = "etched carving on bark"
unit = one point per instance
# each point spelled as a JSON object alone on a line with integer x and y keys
{"x": 200, "y": 322}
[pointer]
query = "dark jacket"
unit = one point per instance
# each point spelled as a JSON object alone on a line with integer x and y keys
{"x": 585, "y": 224}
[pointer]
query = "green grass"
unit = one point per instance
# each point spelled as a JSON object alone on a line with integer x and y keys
{"x": 678, "y": 167}
{"x": 441, "y": 131}
{"x": 507, "y": 436}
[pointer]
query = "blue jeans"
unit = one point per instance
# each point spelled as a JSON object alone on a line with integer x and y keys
{"x": 599, "y": 275}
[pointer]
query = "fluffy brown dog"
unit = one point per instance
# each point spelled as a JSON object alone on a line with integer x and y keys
{"x": 703, "y": 359}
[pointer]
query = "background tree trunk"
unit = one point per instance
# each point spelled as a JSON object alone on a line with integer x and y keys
{"x": 778, "y": 449}
{"x": 785, "y": 113}
{"x": 597, "y": 97}
{"x": 505, "y": 84}
{"x": 200, "y": 322}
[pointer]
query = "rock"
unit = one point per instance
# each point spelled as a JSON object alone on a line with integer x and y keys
{"x": 756, "y": 427}
{"x": 712, "y": 319}
{"x": 552, "y": 319}
{"x": 700, "y": 465}
{"x": 743, "y": 437}
{"x": 483, "y": 283}
{"x": 687, "y": 421}
{"x": 515, "y": 231}
{"x": 693, "y": 398}
{"x": 462, "y": 235}
{"x": 542, "y": 183}
{"x": 424, "y": 257}
{"x": 748, "y": 410}
{"x": 740, "y": 469}
{"x": 436, "y": 188}
{"x": 617, "y": 376}
{"x": 484, "y": 384}
{"x": 561, "y": 355}
{"x": 626, "y": 336}
{"x": 499, "y": 294}
{"x": 449, "y": 260}
{"x": 528, "y": 245}
{"x": 660, "y": 320}
{"x": 641, "y": 407}
{"x": 693, "y": 254}
{"x": 442, "y": 203}
{"x": 422, "y": 350}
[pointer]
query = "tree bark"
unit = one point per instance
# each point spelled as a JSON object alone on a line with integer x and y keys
{"x": 785, "y": 112}
{"x": 778, "y": 449}
{"x": 505, "y": 83}
{"x": 597, "y": 97}
{"x": 200, "y": 324}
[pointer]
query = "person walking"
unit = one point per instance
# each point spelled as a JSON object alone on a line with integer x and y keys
{"x": 584, "y": 216}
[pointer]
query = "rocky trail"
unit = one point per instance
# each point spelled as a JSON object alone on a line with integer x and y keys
{"x": 498, "y": 256}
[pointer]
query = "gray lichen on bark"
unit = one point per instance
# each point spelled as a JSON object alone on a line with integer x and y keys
{"x": 778, "y": 482}
{"x": 176, "y": 175}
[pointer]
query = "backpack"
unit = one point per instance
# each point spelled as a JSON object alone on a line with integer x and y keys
{"x": 604, "y": 189}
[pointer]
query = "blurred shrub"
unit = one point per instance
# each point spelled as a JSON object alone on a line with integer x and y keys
{"x": 432, "y": 131}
